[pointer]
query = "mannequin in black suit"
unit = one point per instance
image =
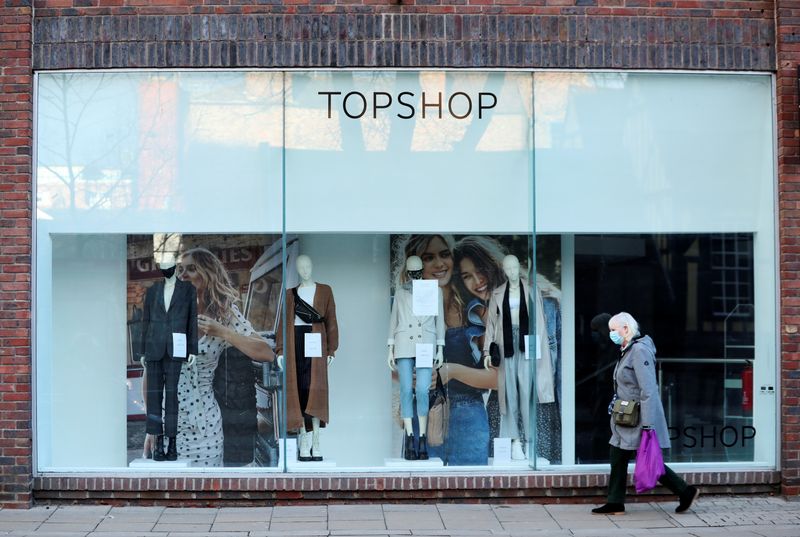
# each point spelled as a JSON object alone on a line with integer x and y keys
{"x": 170, "y": 314}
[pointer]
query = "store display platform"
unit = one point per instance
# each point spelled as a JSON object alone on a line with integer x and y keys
{"x": 434, "y": 462}
{"x": 150, "y": 464}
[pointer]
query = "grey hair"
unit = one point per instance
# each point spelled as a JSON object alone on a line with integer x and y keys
{"x": 624, "y": 318}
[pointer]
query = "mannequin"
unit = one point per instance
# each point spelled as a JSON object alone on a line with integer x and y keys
{"x": 507, "y": 325}
{"x": 169, "y": 338}
{"x": 402, "y": 352}
{"x": 307, "y": 377}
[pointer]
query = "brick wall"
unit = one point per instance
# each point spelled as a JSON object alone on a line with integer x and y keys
{"x": 15, "y": 252}
{"x": 283, "y": 489}
{"x": 788, "y": 53}
{"x": 628, "y": 34}
{"x": 460, "y": 33}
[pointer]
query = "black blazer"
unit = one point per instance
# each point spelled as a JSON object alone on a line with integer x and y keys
{"x": 158, "y": 324}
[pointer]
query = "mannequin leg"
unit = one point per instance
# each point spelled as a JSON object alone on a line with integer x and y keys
{"x": 316, "y": 453}
{"x": 172, "y": 374}
{"x": 304, "y": 444}
{"x": 154, "y": 396}
{"x": 508, "y": 422}
{"x": 409, "y": 452}
{"x": 524, "y": 385}
{"x": 405, "y": 373}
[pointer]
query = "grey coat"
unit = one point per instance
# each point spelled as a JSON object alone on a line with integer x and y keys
{"x": 635, "y": 376}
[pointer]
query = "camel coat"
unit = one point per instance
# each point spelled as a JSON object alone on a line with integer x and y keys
{"x": 318, "y": 394}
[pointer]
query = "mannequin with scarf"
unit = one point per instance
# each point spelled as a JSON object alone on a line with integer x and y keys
{"x": 169, "y": 316}
{"x": 406, "y": 330}
{"x": 307, "y": 377}
{"x": 507, "y": 325}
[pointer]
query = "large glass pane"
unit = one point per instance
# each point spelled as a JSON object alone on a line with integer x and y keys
{"x": 662, "y": 189}
{"x": 387, "y": 173}
{"x": 134, "y": 170}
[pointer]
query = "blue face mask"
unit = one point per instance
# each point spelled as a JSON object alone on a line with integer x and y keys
{"x": 615, "y": 337}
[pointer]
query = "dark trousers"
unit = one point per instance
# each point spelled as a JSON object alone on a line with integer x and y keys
{"x": 162, "y": 380}
{"x": 302, "y": 367}
{"x": 619, "y": 476}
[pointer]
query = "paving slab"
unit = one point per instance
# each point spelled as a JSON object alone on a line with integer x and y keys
{"x": 243, "y": 514}
{"x": 241, "y": 527}
{"x": 130, "y": 525}
{"x": 187, "y": 528}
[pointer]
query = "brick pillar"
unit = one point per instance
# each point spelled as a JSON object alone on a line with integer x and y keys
{"x": 15, "y": 252}
{"x": 788, "y": 60}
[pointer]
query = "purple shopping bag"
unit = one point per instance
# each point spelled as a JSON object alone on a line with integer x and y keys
{"x": 649, "y": 462}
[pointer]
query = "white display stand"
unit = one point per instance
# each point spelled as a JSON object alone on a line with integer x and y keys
{"x": 541, "y": 462}
{"x": 434, "y": 462}
{"x": 311, "y": 465}
{"x": 150, "y": 464}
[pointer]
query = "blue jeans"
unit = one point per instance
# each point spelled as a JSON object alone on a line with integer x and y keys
{"x": 405, "y": 370}
{"x": 467, "y": 442}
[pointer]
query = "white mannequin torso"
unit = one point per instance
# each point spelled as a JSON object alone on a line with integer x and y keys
{"x": 169, "y": 290}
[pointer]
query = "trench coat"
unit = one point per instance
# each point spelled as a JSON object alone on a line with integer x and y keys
{"x": 635, "y": 377}
{"x": 318, "y": 394}
{"x": 494, "y": 333}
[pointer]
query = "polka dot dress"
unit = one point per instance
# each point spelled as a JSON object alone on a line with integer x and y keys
{"x": 200, "y": 436}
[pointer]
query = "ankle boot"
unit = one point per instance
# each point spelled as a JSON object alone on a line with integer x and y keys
{"x": 158, "y": 449}
{"x": 172, "y": 450}
{"x": 304, "y": 446}
{"x": 422, "y": 450}
{"x": 409, "y": 453}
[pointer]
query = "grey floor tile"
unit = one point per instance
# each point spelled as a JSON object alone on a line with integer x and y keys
{"x": 371, "y": 524}
{"x": 419, "y": 521}
{"x": 125, "y": 525}
{"x": 186, "y": 528}
{"x": 245, "y": 514}
{"x": 299, "y": 511}
{"x": 190, "y": 518}
{"x": 240, "y": 526}
{"x": 22, "y": 525}
{"x": 78, "y": 526}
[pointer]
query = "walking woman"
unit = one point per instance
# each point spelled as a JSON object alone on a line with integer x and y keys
{"x": 635, "y": 380}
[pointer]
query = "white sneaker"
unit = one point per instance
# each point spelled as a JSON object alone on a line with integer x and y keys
{"x": 516, "y": 450}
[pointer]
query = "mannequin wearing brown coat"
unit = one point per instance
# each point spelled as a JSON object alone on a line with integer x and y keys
{"x": 317, "y": 405}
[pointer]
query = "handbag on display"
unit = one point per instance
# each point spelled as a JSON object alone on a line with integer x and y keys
{"x": 305, "y": 311}
{"x": 626, "y": 413}
{"x": 494, "y": 354}
{"x": 438, "y": 414}
{"x": 649, "y": 462}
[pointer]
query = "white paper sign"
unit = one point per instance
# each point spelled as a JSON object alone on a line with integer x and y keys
{"x": 528, "y": 349}
{"x": 425, "y": 300}
{"x": 502, "y": 451}
{"x": 178, "y": 345}
{"x": 424, "y": 355}
{"x": 313, "y": 345}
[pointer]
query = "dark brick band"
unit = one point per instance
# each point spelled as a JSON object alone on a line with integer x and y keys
{"x": 403, "y": 40}
{"x": 551, "y": 487}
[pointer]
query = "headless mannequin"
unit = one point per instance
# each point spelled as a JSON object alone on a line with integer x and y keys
{"x": 308, "y": 440}
{"x": 414, "y": 272}
{"x": 511, "y": 268}
{"x": 154, "y": 443}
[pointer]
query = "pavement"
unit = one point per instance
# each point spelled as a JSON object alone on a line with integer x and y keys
{"x": 717, "y": 516}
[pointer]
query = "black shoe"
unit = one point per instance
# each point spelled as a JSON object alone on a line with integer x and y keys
{"x": 172, "y": 450}
{"x": 609, "y": 509}
{"x": 687, "y": 498}
{"x": 422, "y": 450}
{"x": 314, "y": 456}
{"x": 158, "y": 449}
{"x": 409, "y": 453}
